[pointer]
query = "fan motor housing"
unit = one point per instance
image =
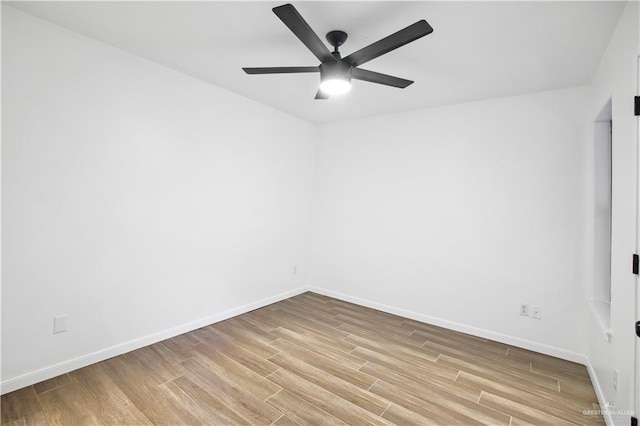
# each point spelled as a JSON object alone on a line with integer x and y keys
{"x": 338, "y": 69}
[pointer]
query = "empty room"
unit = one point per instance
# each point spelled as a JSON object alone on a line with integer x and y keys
{"x": 320, "y": 213}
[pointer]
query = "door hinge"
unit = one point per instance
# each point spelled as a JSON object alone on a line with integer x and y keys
{"x": 636, "y": 264}
{"x": 634, "y": 421}
{"x": 636, "y": 108}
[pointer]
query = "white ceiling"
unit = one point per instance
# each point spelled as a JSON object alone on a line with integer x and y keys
{"x": 478, "y": 50}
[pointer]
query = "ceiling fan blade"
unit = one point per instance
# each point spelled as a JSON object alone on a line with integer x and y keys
{"x": 292, "y": 19}
{"x": 280, "y": 70}
{"x": 376, "y": 77}
{"x": 387, "y": 44}
{"x": 321, "y": 95}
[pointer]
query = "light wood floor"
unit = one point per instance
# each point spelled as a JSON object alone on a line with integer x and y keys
{"x": 315, "y": 360}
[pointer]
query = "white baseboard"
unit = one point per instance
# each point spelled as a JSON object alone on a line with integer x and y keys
{"x": 46, "y": 373}
{"x": 464, "y": 328}
{"x": 606, "y": 414}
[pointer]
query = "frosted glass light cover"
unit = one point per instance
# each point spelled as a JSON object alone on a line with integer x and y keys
{"x": 335, "y": 86}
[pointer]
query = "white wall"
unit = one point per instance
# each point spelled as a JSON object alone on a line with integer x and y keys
{"x": 616, "y": 81}
{"x": 459, "y": 214}
{"x": 135, "y": 199}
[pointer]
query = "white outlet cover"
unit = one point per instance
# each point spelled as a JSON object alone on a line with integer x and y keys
{"x": 524, "y": 309}
{"x": 60, "y": 324}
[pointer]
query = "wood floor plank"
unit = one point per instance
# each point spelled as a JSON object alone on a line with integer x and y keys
{"x": 325, "y": 364}
{"x": 379, "y": 326}
{"x": 401, "y": 339}
{"x": 373, "y": 317}
{"x": 302, "y": 412}
{"x": 246, "y": 378}
{"x": 343, "y": 306}
{"x": 551, "y": 362}
{"x": 90, "y": 398}
{"x": 579, "y": 389}
{"x": 518, "y": 388}
{"x": 521, "y": 411}
{"x": 419, "y": 386}
{"x": 246, "y": 339}
{"x": 559, "y": 372}
{"x": 419, "y": 357}
{"x": 237, "y": 328}
{"x": 315, "y": 297}
{"x": 72, "y": 407}
{"x": 285, "y": 421}
{"x": 312, "y": 359}
{"x": 317, "y": 326}
{"x": 254, "y": 325}
{"x": 325, "y": 400}
{"x": 96, "y": 379}
{"x": 312, "y": 306}
{"x": 330, "y": 352}
{"x": 249, "y": 360}
{"x": 320, "y": 317}
{"x": 431, "y": 331}
{"x": 399, "y": 415}
{"x": 171, "y": 352}
{"x": 470, "y": 346}
{"x": 266, "y": 318}
{"x": 474, "y": 355}
{"x": 339, "y": 387}
{"x": 398, "y": 364}
{"x": 528, "y": 383}
{"x": 141, "y": 389}
{"x": 53, "y": 383}
{"x": 153, "y": 364}
{"x": 18, "y": 404}
{"x": 202, "y": 405}
{"x": 570, "y": 413}
{"x": 170, "y": 412}
{"x": 185, "y": 340}
{"x": 468, "y": 342}
{"x": 434, "y": 413}
{"x": 37, "y": 418}
{"x": 519, "y": 422}
{"x": 494, "y": 372}
{"x": 313, "y": 335}
{"x": 209, "y": 336}
{"x": 257, "y": 329}
{"x": 248, "y": 406}
{"x": 304, "y": 328}
{"x": 439, "y": 395}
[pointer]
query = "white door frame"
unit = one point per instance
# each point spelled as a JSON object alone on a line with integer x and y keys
{"x": 637, "y": 251}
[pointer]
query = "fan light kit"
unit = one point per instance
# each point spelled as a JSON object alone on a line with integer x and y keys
{"x": 335, "y": 85}
{"x": 336, "y": 72}
{"x": 335, "y": 77}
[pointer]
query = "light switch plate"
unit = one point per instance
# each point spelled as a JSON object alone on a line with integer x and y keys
{"x": 536, "y": 312}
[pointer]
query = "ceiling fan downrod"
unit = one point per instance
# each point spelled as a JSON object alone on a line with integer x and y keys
{"x": 336, "y": 38}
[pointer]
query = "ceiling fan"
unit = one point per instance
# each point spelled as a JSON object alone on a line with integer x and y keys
{"x": 336, "y": 72}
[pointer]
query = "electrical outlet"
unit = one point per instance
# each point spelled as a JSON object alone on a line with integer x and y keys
{"x": 615, "y": 380}
{"x": 536, "y": 312}
{"x": 60, "y": 324}
{"x": 524, "y": 309}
